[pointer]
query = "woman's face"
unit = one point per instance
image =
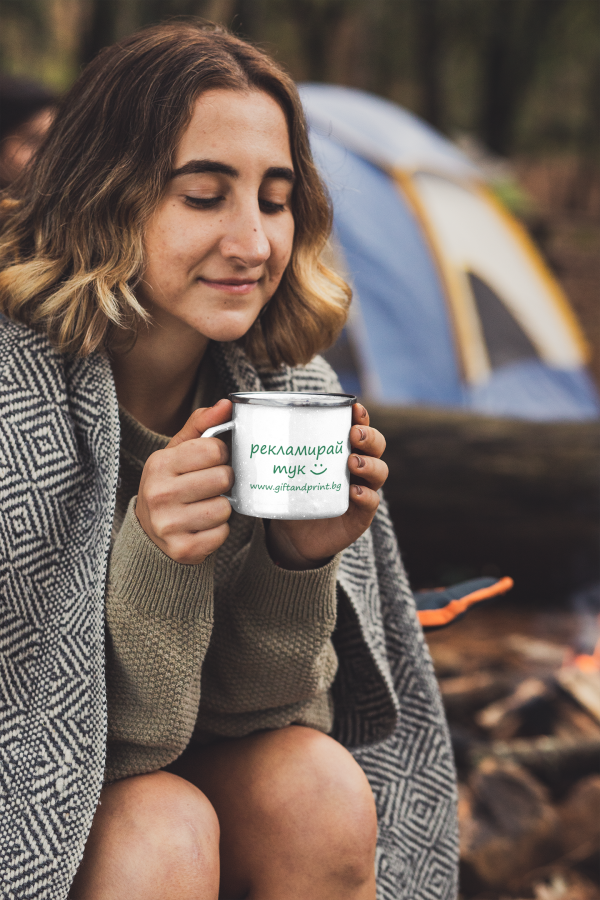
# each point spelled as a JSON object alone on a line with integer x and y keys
{"x": 220, "y": 239}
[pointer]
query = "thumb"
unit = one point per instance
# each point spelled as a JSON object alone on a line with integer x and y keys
{"x": 200, "y": 420}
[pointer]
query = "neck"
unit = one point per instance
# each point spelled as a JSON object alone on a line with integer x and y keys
{"x": 155, "y": 378}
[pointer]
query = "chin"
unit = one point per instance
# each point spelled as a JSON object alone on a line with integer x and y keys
{"x": 232, "y": 329}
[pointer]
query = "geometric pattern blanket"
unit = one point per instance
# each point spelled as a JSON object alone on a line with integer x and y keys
{"x": 59, "y": 462}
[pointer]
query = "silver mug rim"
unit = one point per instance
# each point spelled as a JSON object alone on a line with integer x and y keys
{"x": 284, "y": 399}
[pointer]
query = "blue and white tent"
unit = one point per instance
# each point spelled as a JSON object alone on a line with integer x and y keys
{"x": 453, "y": 306}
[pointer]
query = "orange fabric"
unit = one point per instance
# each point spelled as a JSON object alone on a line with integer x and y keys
{"x": 431, "y": 618}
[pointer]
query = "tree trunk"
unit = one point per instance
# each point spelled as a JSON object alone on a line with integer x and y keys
{"x": 317, "y": 24}
{"x": 517, "y": 32}
{"x": 101, "y": 29}
{"x": 429, "y": 59}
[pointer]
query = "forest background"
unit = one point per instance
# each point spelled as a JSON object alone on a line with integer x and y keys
{"x": 518, "y": 79}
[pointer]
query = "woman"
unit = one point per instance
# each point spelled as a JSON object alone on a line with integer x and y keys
{"x": 164, "y": 251}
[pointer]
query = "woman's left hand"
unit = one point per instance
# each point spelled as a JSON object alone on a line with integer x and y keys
{"x": 307, "y": 544}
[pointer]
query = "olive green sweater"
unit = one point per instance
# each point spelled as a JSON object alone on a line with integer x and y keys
{"x": 221, "y": 649}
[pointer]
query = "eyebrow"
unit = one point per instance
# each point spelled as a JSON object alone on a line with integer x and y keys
{"x": 199, "y": 166}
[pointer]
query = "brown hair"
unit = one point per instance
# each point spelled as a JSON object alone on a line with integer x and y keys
{"x": 71, "y": 248}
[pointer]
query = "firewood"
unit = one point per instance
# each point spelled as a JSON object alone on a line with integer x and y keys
{"x": 447, "y": 661}
{"x": 572, "y": 721}
{"x": 536, "y": 651}
{"x": 508, "y": 825}
{"x": 580, "y": 816}
{"x": 467, "y": 693}
{"x": 529, "y": 709}
{"x": 560, "y": 883}
{"x": 584, "y": 687}
{"x": 546, "y": 753}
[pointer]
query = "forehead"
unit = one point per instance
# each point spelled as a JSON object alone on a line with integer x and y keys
{"x": 237, "y": 125}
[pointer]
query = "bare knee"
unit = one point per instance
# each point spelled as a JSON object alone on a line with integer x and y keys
{"x": 156, "y": 830}
{"x": 313, "y": 794}
{"x": 163, "y": 810}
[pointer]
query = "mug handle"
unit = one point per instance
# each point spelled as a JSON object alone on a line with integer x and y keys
{"x": 219, "y": 429}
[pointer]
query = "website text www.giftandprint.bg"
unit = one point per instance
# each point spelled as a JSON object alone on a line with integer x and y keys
{"x": 286, "y": 486}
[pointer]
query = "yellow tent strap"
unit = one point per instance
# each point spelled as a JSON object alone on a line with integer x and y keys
{"x": 468, "y": 339}
{"x": 549, "y": 281}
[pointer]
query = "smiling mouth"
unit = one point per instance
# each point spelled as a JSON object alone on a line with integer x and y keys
{"x": 318, "y": 473}
{"x": 231, "y": 286}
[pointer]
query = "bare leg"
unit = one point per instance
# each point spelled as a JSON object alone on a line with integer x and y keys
{"x": 296, "y": 812}
{"x": 154, "y": 837}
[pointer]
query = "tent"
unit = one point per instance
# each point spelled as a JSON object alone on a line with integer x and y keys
{"x": 453, "y": 306}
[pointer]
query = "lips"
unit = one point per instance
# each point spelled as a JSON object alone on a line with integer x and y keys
{"x": 231, "y": 285}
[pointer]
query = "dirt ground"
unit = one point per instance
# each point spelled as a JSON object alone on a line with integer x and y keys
{"x": 565, "y": 222}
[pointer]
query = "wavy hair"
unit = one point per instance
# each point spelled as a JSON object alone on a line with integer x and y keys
{"x": 72, "y": 226}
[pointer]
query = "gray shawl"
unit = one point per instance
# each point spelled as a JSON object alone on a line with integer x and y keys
{"x": 59, "y": 461}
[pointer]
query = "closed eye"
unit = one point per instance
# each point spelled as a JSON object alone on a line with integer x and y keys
{"x": 267, "y": 206}
{"x": 203, "y": 202}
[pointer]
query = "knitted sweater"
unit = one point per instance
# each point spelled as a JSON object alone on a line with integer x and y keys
{"x": 59, "y": 464}
{"x": 248, "y": 641}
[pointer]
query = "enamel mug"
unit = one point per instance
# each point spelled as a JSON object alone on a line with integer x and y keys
{"x": 289, "y": 454}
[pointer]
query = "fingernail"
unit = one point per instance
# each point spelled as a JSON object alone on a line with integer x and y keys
{"x": 363, "y": 434}
{"x": 358, "y": 489}
{"x": 362, "y": 411}
{"x": 360, "y": 461}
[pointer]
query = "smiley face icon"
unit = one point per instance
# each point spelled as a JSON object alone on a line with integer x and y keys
{"x": 323, "y": 469}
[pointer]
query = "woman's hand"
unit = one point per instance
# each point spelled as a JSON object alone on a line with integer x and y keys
{"x": 179, "y": 504}
{"x": 306, "y": 544}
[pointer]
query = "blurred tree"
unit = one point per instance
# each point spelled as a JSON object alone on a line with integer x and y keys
{"x": 30, "y": 15}
{"x": 101, "y": 28}
{"x": 150, "y": 11}
{"x": 429, "y": 59}
{"x": 586, "y": 172}
{"x": 520, "y": 74}
{"x": 108, "y": 20}
{"x": 318, "y": 25}
{"x": 516, "y": 35}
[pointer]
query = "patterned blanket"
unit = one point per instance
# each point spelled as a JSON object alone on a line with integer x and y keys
{"x": 59, "y": 460}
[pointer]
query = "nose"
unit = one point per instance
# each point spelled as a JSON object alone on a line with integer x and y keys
{"x": 245, "y": 239}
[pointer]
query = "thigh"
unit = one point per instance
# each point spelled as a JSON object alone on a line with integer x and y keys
{"x": 293, "y": 807}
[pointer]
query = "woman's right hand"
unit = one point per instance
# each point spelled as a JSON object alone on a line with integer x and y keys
{"x": 179, "y": 504}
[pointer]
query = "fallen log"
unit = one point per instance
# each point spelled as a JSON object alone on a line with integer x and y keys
{"x": 472, "y": 491}
{"x": 496, "y": 456}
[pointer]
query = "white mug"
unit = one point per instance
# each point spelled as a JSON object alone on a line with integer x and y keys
{"x": 289, "y": 454}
